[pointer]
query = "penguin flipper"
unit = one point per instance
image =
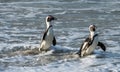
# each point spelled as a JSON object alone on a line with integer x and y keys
{"x": 102, "y": 46}
{"x": 54, "y": 41}
{"x": 79, "y": 52}
{"x": 45, "y": 33}
{"x": 84, "y": 47}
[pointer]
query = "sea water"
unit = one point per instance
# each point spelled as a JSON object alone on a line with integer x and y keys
{"x": 22, "y": 24}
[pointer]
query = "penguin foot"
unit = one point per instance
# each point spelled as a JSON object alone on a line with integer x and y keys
{"x": 78, "y": 53}
{"x": 43, "y": 50}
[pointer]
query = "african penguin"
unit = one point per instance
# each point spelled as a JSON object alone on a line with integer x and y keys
{"x": 90, "y": 43}
{"x": 48, "y": 37}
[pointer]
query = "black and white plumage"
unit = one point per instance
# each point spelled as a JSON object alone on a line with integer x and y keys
{"x": 48, "y": 37}
{"x": 90, "y": 43}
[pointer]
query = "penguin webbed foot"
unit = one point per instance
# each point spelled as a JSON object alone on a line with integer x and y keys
{"x": 45, "y": 50}
{"x": 78, "y": 53}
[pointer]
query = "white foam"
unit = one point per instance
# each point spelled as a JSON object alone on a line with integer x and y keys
{"x": 86, "y": 65}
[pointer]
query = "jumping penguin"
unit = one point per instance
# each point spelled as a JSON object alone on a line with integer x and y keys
{"x": 48, "y": 37}
{"x": 90, "y": 43}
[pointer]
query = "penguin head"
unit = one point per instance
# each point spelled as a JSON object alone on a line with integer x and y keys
{"x": 92, "y": 27}
{"x": 49, "y": 18}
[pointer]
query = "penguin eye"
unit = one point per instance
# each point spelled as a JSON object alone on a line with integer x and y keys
{"x": 48, "y": 19}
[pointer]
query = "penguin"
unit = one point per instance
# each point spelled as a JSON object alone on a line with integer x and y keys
{"x": 48, "y": 38}
{"x": 90, "y": 43}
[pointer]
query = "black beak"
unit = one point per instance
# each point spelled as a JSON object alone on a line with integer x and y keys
{"x": 55, "y": 18}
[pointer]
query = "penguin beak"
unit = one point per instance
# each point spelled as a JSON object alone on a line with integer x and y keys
{"x": 55, "y": 18}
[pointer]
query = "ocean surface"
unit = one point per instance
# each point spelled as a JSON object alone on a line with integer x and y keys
{"x": 22, "y": 24}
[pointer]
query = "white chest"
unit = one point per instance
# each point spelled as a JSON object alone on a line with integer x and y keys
{"x": 93, "y": 46}
{"x": 50, "y": 34}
